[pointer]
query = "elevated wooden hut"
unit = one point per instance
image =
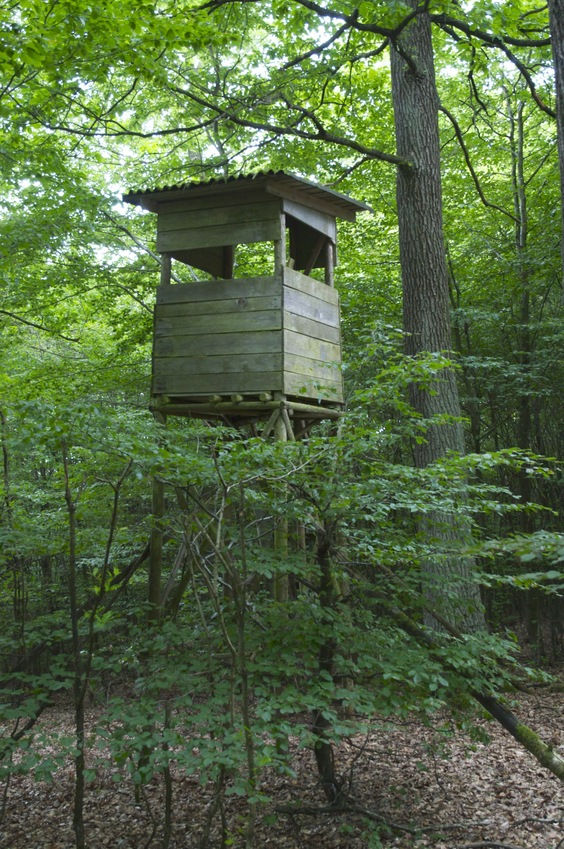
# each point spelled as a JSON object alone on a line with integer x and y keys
{"x": 235, "y": 346}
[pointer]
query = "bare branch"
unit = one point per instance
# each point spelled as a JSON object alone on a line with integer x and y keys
{"x": 446, "y": 21}
{"x": 111, "y": 128}
{"x": 143, "y": 247}
{"x": 370, "y": 54}
{"x": 315, "y": 51}
{"x": 461, "y": 142}
{"x": 38, "y": 326}
{"x": 321, "y": 135}
{"x": 474, "y": 88}
{"x": 351, "y": 20}
{"x": 486, "y": 844}
{"x": 451, "y": 25}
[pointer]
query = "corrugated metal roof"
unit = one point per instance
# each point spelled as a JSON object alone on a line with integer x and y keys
{"x": 273, "y": 182}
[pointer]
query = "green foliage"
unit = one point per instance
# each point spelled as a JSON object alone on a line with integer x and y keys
{"x": 98, "y": 98}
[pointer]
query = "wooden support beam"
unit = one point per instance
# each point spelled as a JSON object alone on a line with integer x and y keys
{"x": 329, "y": 263}
{"x": 280, "y": 248}
{"x": 166, "y": 268}
{"x": 269, "y": 427}
{"x": 245, "y": 408}
{"x": 288, "y": 425}
{"x": 321, "y": 240}
{"x": 228, "y": 261}
{"x": 315, "y": 412}
{"x": 282, "y": 428}
{"x": 156, "y": 541}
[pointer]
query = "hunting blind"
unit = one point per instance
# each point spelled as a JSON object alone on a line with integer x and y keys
{"x": 234, "y": 345}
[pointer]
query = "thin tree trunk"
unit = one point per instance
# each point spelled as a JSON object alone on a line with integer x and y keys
{"x": 556, "y": 19}
{"x": 529, "y": 739}
{"x": 281, "y": 548}
{"x": 525, "y": 343}
{"x": 426, "y": 300}
{"x": 157, "y": 535}
{"x": 78, "y": 672}
{"x": 323, "y": 749}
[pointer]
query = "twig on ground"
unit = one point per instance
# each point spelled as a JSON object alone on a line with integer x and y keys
{"x": 294, "y": 811}
{"x": 486, "y": 844}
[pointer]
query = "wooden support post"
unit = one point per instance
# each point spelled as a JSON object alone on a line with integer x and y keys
{"x": 329, "y": 262}
{"x": 281, "y": 582}
{"x": 280, "y": 248}
{"x": 269, "y": 426}
{"x": 166, "y": 268}
{"x": 320, "y": 242}
{"x": 288, "y": 425}
{"x": 156, "y": 541}
{"x": 228, "y": 262}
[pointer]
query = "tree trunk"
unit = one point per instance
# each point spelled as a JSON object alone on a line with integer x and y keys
{"x": 524, "y": 351}
{"x": 323, "y": 749}
{"x": 556, "y": 18}
{"x": 426, "y": 299}
{"x": 156, "y": 555}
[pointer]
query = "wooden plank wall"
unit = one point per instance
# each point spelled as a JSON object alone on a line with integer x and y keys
{"x": 218, "y": 337}
{"x": 206, "y": 224}
{"x": 312, "y": 339}
{"x": 248, "y": 336}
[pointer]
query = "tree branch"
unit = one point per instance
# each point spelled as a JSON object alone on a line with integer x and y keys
{"x": 448, "y": 24}
{"x": 321, "y": 135}
{"x": 350, "y": 20}
{"x": 143, "y": 247}
{"x": 444, "y": 20}
{"x": 38, "y": 326}
{"x": 315, "y": 51}
{"x": 370, "y": 54}
{"x": 486, "y": 844}
{"x": 460, "y": 139}
{"x": 88, "y": 132}
{"x": 524, "y": 735}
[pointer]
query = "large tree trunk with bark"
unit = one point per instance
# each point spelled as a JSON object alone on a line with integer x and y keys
{"x": 556, "y": 18}
{"x": 426, "y": 302}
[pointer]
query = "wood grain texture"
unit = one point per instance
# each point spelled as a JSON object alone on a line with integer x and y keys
{"x": 192, "y": 384}
{"x": 218, "y": 323}
{"x": 241, "y": 364}
{"x": 300, "y": 303}
{"x": 234, "y": 306}
{"x": 319, "y": 221}
{"x": 315, "y": 329}
{"x": 215, "y": 290}
{"x": 238, "y": 233}
{"x": 324, "y": 372}
{"x": 309, "y": 346}
{"x": 192, "y": 202}
{"x": 301, "y": 283}
{"x": 304, "y": 387}
{"x": 253, "y": 342}
{"x": 247, "y": 336}
{"x": 214, "y": 216}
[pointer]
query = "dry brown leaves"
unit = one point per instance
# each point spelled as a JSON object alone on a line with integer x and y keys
{"x": 408, "y": 787}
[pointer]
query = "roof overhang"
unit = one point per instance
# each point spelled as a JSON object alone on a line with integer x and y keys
{"x": 276, "y": 183}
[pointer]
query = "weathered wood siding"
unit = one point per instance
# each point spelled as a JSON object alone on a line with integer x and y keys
{"x": 207, "y": 224}
{"x": 312, "y": 341}
{"x": 219, "y": 337}
{"x": 265, "y": 334}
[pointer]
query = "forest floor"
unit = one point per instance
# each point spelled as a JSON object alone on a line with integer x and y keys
{"x": 414, "y": 787}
